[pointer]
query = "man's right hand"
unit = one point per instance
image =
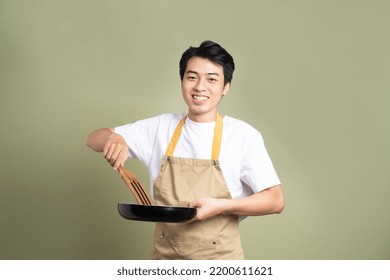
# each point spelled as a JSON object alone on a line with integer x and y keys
{"x": 116, "y": 150}
{"x": 112, "y": 145}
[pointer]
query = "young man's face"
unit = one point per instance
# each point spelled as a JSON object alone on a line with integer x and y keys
{"x": 203, "y": 88}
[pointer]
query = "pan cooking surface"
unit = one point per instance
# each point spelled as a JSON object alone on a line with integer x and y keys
{"x": 155, "y": 213}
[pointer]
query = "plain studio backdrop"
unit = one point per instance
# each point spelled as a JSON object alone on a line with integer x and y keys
{"x": 312, "y": 76}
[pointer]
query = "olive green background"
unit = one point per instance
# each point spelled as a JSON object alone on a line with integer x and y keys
{"x": 312, "y": 76}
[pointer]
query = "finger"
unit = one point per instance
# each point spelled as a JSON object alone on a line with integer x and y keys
{"x": 107, "y": 153}
{"x": 110, "y": 159}
{"x": 117, "y": 163}
{"x": 194, "y": 204}
{"x": 113, "y": 161}
{"x": 105, "y": 149}
{"x": 119, "y": 156}
{"x": 110, "y": 153}
{"x": 124, "y": 155}
{"x": 115, "y": 154}
{"x": 115, "y": 166}
{"x": 108, "y": 146}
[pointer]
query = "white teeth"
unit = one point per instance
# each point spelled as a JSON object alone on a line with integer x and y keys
{"x": 198, "y": 97}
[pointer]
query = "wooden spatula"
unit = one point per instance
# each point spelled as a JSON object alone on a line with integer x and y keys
{"x": 135, "y": 187}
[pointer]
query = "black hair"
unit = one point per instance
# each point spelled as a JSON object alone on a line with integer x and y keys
{"x": 213, "y": 52}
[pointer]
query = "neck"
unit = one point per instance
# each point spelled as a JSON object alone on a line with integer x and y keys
{"x": 202, "y": 118}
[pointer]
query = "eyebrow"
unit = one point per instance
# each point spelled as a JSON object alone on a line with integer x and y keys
{"x": 194, "y": 72}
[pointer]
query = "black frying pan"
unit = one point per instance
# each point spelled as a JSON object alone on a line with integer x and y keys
{"x": 145, "y": 210}
{"x": 155, "y": 213}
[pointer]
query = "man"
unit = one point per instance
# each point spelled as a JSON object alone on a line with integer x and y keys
{"x": 218, "y": 164}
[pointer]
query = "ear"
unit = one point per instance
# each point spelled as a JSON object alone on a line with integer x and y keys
{"x": 226, "y": 89}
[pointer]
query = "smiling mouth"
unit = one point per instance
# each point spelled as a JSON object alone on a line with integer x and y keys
{"x": 200, "y": 97}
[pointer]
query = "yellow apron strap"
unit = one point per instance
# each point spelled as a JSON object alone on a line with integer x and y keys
{"x": 175, "y": 138}
{"x": 217, "y": 138}
{"x": 216, "y": 141}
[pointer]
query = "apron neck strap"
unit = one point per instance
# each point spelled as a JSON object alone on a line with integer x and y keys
{"x": 216, "y": 140}
{"x": 217, "y": 137}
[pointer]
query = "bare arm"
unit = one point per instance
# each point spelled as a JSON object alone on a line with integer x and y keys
{"x": 112, "y": 145}
{"x": 269, "y": 201}
{"x": 97, "y": 139}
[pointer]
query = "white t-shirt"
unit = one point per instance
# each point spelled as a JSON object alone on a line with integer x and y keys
{"x": 243, "y": 158}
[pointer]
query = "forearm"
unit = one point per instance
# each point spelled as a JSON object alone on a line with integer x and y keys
{"x": 97, "y": 139}
{"x": 269, "y": 201}
{"x": 112, "y": 145}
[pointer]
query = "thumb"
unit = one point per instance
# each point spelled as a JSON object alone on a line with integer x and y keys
{"x": 194, "y": 204}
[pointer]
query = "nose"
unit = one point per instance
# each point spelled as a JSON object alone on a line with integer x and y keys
{"x": 200, "y": 85}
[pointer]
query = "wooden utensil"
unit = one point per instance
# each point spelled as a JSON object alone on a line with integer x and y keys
{"x": 135, "y": 186}
{"x": 145, "y": 210}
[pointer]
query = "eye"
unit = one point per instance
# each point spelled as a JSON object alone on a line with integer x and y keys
{"x": 213, "y": 80}
{"x": 191, "y": 78}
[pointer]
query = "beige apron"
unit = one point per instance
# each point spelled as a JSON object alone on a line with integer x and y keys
{"x": 183, "y": 180}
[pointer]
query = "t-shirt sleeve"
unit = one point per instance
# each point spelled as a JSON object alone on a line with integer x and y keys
{"x": 257, "y": 170}
{"x": 140, "y": 136}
